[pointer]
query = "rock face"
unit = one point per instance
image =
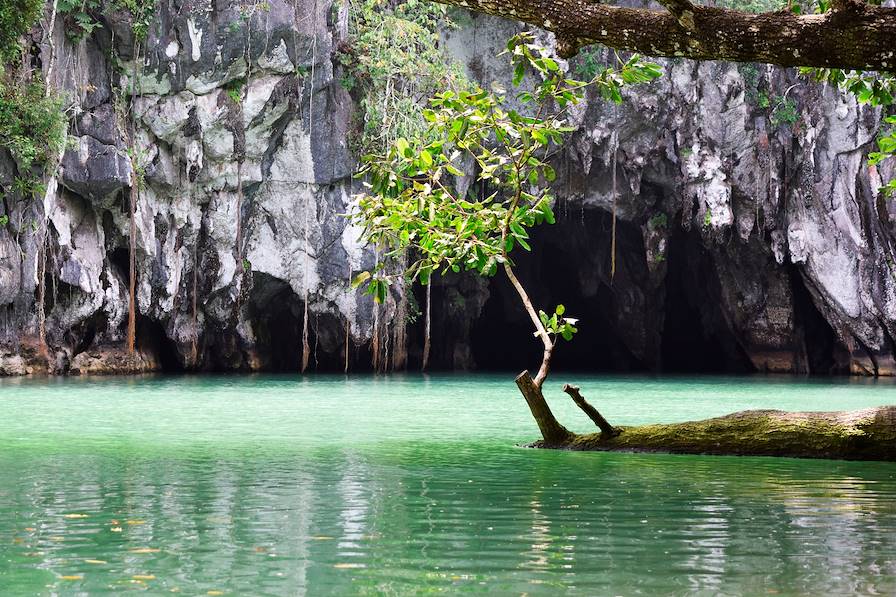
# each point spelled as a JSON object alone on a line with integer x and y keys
{"x": 749, "y": 231}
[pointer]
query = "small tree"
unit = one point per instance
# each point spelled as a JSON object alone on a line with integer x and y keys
{"x": 414, "y": 204}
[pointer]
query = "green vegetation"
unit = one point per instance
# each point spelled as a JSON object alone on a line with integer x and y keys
{"x": 412, "y": 203}
{"x": 32, "y": 129}
{"x": 886, "y": 144}
{"x": 16, "y": 18}
{"x": 80, "y": 15}
{"x": 588, "y": 63}
{"x": 391, "y": 64}
{"x": 32, "y": 124}
{"x": 234, "y": 90}
{"x": 784, "y": 112}
{"x": 414, "y": 209}
{"x": 660, "y": 220}
{"x": 877, "y": 89}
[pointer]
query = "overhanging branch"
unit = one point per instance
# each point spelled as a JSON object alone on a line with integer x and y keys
{"x": 856, "y": 36}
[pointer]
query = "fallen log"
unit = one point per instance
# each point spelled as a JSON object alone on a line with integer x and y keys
{"x": 868, "y": 434}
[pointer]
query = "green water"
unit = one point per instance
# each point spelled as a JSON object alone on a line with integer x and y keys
{"x": 410, "y": 485}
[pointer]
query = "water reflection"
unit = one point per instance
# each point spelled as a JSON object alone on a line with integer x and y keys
{"x": 446, "y": 517}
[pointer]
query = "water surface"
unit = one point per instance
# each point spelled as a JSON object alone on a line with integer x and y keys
{"x": 271, "y": 485}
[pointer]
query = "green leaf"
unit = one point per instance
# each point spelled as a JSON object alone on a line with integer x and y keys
{"x": 360, "y": 279}
{"x": 560, "y": 309}
{"x": 519, "y": 72}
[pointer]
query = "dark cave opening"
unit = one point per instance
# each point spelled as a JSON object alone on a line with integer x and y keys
{"x": 634, "y": 321}
{"x": 695, "y": 336}
{"x": 151, "y": 338}
{"x": 276, "y": 313}
{"x": 119, "y": 260}
{"x": 569, "y": 264}
{"x": 819, "y": 340}
{"x": 277, "y": 316}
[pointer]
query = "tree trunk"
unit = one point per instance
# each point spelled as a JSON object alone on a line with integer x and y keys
{"x": 853, "y": 35}
{"x": 554, "y": 434}
{"x": 868, "y": 434}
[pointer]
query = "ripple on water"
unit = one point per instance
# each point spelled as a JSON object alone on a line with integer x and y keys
{"x": 269, "y": 487}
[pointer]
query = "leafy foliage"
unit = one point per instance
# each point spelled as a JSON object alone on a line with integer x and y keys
{"x": 414, "y": 204}
{"x": 557, "y": 325}
{"x": 877, "y": 89}
{"x": 886, "y": 145}
{"x": 784, "y": 112}
{"x": 16, "y": 18}
{"x": 392, "y": 63}
{"x": 32, "y": 129}
{"x": 81, "y": 15}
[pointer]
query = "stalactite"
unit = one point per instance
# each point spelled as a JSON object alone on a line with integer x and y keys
{"x": 427, "y": 329}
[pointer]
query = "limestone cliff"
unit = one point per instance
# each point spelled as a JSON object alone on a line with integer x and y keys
{"x": 748, "y": 238}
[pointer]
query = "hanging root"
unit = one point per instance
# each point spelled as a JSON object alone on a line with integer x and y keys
{"x": 589, "y": 410}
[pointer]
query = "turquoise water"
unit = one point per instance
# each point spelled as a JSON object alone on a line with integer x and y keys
{"x": 272, "y": 485}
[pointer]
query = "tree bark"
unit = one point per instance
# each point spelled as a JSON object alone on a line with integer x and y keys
{"x": 868, "y": 434}
{"x": 853, "y": 35}
{"x": 589, "y": 410}
{"x": 539, "y": 327}
{"x": 552, "y": 432}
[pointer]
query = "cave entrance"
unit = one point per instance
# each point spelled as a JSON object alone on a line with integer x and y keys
{"x": 151, "y": 338}
{"x": 569, "y": 264}
{"x": 276, "y": 313}
{"x": 823, "y": 352}
{"x": 695, "y": 336}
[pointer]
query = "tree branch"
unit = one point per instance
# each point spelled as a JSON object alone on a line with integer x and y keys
{"x": 589, "y": 410}
{"x": 539, "y": 327}
{"x": 855, "y": 35}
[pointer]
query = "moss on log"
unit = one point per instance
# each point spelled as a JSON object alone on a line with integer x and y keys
{"x": 868, "y": 434}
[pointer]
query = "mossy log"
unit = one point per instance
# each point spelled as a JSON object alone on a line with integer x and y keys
{"x": 868, "y": 434}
